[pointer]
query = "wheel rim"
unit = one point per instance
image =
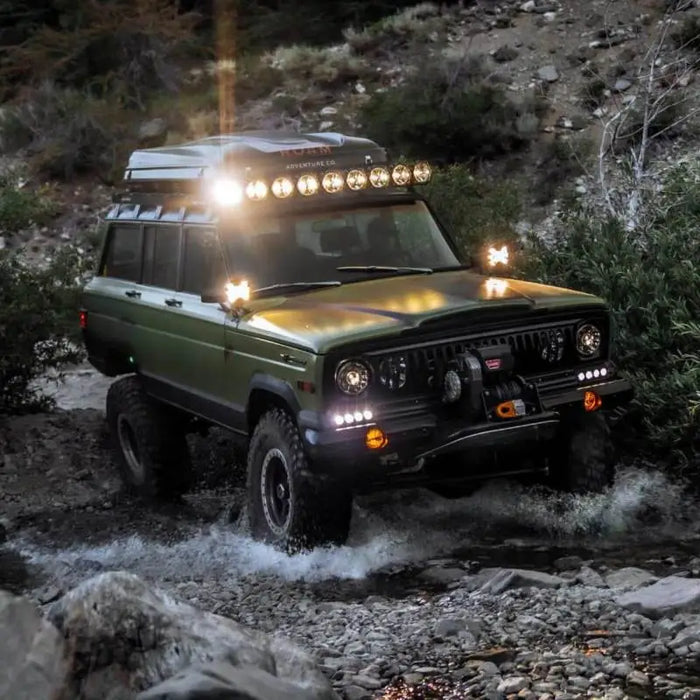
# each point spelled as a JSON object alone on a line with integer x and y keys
{"x": 276, "y": 491}
{"x": 130, "y": 448}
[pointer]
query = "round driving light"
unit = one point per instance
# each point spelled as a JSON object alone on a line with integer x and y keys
{"x": 307, "y": 185}
{"x": 256, "y": 190}
{"x": 581, "y": 376}
{"x": 358, "y": 416}
{"x": 367, "y": 415}
{"x": 393, "y": 372}
{"x": 588, "y": 338}
{"x": 589, "y": 375}
{"x": 376, "y": 438}
{"x": 604, "y": 372}
{"x": 338, "y": 420}
{"x": 352, "y": 377}
{"x": 379, "y": 177}
{"x": 452, "y": 386}
{"x": 349, "y": 418}
{"x": 333, "y": 182}
{"x": 596, "y": 373}
{"x": 401, "y": 175}
{"x": 356, "y": 179}
{"x": 227, "y": 193}
{"x": 422, "y": 172}
{"x": 282, "y": 187}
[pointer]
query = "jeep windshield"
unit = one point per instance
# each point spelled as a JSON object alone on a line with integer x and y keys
{"x": 339, "y": 246}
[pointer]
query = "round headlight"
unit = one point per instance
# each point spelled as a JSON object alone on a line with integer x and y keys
{"x": 352, "y": 377}
{"x": 552, "y": 346}
{"x": 393, "y": 372}
{"x": 256, "y": 190}
{"x": 588, "y": 339}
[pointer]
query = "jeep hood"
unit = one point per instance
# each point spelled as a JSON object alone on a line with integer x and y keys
{"x": 320, "y": 320}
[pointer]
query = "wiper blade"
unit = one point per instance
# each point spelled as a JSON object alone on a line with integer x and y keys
{"x": 385, "y": 268}
{"x": 298, "y": 286}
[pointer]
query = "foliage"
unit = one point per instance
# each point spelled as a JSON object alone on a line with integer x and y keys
{"x": 475, "y": 210}
{"x": 651, "y": 280}
{"x": 66, "y": 131}
{"x": 687, "y": 36}
{"x": 39, "y": 311}
{"x": 121, "y": 48}
{"x": 449, "y": 109}
{"x": 20, "y": 205}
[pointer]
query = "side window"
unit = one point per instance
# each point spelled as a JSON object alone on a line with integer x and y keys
{"x": 161, "y": 255}
{"x": 204, "y": 264}
{"x": 123, "y": 256}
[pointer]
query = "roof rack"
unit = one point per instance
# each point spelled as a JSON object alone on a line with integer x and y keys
{"x": 252, "y": 153}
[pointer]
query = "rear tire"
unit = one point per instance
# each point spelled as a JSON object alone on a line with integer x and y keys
{"x": 289, "y": 506}
{"x": 150, "y": 443}
{"x": 582, "y": 460}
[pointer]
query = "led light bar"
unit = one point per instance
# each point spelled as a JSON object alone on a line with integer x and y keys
{"x": 591, "y": 374}
{"x": 355, "y": 417}
{"x": 334, "y": 181}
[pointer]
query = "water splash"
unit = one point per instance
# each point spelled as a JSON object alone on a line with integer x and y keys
{"x": 388, "y": 530}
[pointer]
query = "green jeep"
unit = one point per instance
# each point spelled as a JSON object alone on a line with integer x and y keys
{"x": 296, "y": 290}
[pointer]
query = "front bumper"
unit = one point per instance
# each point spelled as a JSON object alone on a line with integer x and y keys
{"x": 424, "y": 435}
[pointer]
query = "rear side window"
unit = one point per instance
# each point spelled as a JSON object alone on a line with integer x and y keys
{"x": 123, "y": 256}
{"x": 161, "y": 255}
{"x": 204, "y": 263}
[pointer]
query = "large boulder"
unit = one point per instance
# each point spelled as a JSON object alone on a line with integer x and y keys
{"x": 664, "y": 598}
{"x": 630, "y": 577}
{"x": 31, "y": 652}
{"x": 125, "y": 635}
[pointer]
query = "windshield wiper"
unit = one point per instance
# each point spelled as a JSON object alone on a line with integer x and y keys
{"x": 295, "y": 286}
{"x": 385, "y": 268}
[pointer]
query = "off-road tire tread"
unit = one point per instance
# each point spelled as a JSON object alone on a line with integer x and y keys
{"x": 168, "y": 468}
{"x": 322, "y": 508}
{"x": 585, "y": 456}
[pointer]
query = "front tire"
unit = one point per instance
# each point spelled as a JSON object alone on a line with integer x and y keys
{"x": 149, "y": 441}
{"x": 582, "y": 460}
{"x": 288, "y": 506}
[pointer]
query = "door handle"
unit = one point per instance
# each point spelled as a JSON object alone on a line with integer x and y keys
{"x": 133, "y": 294}
{"x": 173, "y": 302}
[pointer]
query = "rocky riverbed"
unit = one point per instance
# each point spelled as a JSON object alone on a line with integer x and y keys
{"x": 511, "y": 592}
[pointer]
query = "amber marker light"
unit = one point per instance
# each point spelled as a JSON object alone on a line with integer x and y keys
{"x": 591, "y": 401}
{"x": 376, "y": 438}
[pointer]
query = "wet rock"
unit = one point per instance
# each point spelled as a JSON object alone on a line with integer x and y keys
{"x": 548, "y": 74}
{"x": 568, "y": 563}
{"x": 630, "y": 577}
{"x": 513, "y": 685}
{"x": 31, "y": 650}
{"x": 222, "y": 680}
{"x": 440, "y": 575}
{"x": 497, "y": 581}
{"x": 638, "y": 678}
{"x": 528, "y": 6}
{"x": 328, "y": 111}
{"x": 687, "y": 637}
{"x": 117, "y": 621}
{"x": 588, "y": 576}
{"x": 664, "y": 598}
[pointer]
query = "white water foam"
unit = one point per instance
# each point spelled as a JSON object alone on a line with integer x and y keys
{"x": 388, "y": 530}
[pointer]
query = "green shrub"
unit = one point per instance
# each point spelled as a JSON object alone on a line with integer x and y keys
{"x": 475, "y": 210}
{"x": 39, "y": 316}
{"x": 652, "y": 282}
{"x": 65, "y": 132}
{"x": 448, "y": 109}
{"x": 21, "y": 206}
